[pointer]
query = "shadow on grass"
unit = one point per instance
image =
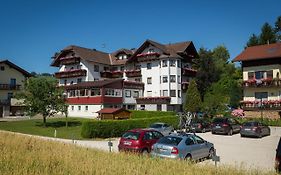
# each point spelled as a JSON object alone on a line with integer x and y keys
{"x": 2, "y": 121}
{"x": 59, "y": 124}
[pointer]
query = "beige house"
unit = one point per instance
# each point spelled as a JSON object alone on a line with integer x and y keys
{"x": 261, "y": 67}
{"x": 12, "y": 80}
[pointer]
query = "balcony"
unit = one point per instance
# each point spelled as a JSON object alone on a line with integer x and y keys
{"x": 71, "y": 73}
{"x": 153, "y": 100}
{"x": 184, "y": 85}
{"x": 10, "y": 87}
{"x": 266, "y": 82}
{"x": 69, "y": 60}
{"x": 147, "y": 56}
{"x": 188, "y": 71}
{"x": 258, "y": 105}
{"x": 133, "y": 73}
{"x": 111, "y": 74}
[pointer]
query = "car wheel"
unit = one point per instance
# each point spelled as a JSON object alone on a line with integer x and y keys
{"x": 242, "y": 135}
{"x": 203, "y": 130}
{"x": 188, "y": 157}
{"x": 213, "y": 132}
{"x": 211, "y": 153}
{"x": 230, "y": 132}
{"x": 260, "y": 135}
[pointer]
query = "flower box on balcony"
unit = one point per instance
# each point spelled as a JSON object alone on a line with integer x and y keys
{"x": 69, "y": 60}
{"x": 153, "y": 100}
{"x": 71, "y": 73}
{"x": 133, "y": 73}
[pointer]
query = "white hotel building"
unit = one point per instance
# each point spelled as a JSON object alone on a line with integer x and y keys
{"x": 153, "y": 77}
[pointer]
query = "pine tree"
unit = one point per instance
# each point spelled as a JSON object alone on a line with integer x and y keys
{"x": 267, "y": 34}
{"x": 193, "y": 101}
{"x": 253, "y": 41}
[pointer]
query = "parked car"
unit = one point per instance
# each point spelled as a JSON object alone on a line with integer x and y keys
{"x": 139, "y": 140}
{"x": 164, "y": 128}
{"x": 278, "y": 157}
{"x": 200, "y": 125}
{"x": 225, "y": 125}
{"x": 187, "y": 146}
{"x": 254, "y": 128}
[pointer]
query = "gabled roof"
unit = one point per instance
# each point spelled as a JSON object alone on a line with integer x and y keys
{"x": 91, "y": 55}
{"x": 24, "y": 72}
{"x": 260, "y": 52}
{"x": 111, "y": 110}
{"x": 171, "y": 49}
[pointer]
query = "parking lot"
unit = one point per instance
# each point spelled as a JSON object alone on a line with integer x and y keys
{"x": 233, "y": 150}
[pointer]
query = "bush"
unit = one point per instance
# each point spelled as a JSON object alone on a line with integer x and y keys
{"x": 150, "y": 114}
{"x": 115, "y": 128}
{"x": 269, "y": 122}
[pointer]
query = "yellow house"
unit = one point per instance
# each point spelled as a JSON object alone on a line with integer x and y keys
{"x": 261, "y": 67}
{"x": 12, "y": 79}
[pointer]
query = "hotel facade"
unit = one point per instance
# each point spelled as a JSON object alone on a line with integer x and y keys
{"x": 153, "y": 77}
{"x": 261, "y": 66}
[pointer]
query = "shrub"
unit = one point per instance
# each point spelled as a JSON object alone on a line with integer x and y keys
{"x": 115, "y": 128}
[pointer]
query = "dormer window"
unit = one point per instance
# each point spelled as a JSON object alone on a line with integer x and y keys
{"x": 122, "y": 57}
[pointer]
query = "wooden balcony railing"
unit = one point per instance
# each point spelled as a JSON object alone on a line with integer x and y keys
{"x": 267, "y": 82}
{"x": 147, "y": 56}
{"x": 153, "y": 100}
{"x": 258, "y": 105}
{"x": 10, "y": 87}
{"x": 69, "y": 60}
{"x": 188, "y": 72}
{"x": 133, "y": 73}
{"x": 71, "y": 73}
{"x": 111, "y": 74}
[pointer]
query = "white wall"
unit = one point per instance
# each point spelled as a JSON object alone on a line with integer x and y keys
{"x": 91, "y": 113}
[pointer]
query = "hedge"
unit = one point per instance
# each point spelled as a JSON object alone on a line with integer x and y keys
{"x": 115, "y": 128}
{"x": 150, "y": 114}
{"x": 269, "y": 122}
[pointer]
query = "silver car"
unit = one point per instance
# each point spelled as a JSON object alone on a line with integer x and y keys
{"x": 187, "y": 147}
{"x": 164, "y": 128}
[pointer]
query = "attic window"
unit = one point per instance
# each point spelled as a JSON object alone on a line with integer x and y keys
{"x": 2, "y": 68}
{"x": 151, "y": 51}
{"x": 122, "y": 57}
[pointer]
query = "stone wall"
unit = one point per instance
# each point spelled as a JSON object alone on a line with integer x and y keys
{"x": 266, "y": 114}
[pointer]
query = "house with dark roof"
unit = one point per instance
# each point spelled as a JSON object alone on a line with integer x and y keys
{"x": 154, "y": 76}
{"x": 261, "y": 66}
{"x": 12, "y": 79}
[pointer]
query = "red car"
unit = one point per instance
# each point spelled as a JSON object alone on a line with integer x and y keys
{"x": 139, "y": 140}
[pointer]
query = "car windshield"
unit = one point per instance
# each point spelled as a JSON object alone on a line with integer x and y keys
{"x": 169, "y": 140}
{"x": 250, "y": 124}
{"x": 219, "y": 120}
{"x": 131, "y": 135}
{"x": 156, "y": 125}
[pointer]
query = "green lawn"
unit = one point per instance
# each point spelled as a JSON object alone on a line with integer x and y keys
{"x": 35, "y": 127}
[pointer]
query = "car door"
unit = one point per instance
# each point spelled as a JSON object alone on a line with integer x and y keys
{"x": 191, "y": 148}
{"x": 203, "y": 150}
{"x": 235, "y": 125}
{"x": 148, "y": 140}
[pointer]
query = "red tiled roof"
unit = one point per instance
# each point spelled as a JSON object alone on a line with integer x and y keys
{"x": 267, "y": 51}
{"x": 111, "y": 110}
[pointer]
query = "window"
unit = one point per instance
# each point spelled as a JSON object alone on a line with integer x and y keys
{"x": 269, "y": 74}
{"x": 72, "y": 108}
{"x": 160, "y": 79}
{"x": 165, "y": 93}
{"x": 71, "y": 82}
{"x": 164, "y": 63}
{"x": 10, "y": 95}
{"x": 172, "y": 78}
{"x": 138, "y": 79}
{"x": 149, "y": 93}
{"x": 95, "y": 92}
{"x": 106, "y": 68}
{"x": 83, "y": 92}
{"x": 199, "y": 140}
{"x": 250, "y": 75}
{"x": 96, "y": 68}
{"x": 120, "y": 57}
{"x": 127, "y": 93}
{"x": 86, "y": 108}
{"x": 179, "y": 93}
{"x": 160, "y": 64}
{"x": 2, "y": 68}
{"x": 96, "y": 79}
{"x": 179, "y": 63}
{"x": 151, "y": 50}
{"x": 72, "y": 93}
{"x": 189, "y": 141}
{"x": 173, "y": 93}
{"x": 157, "y": 135}
{"x": 65, "y": 82}
{"x": 122, "y": 68}
{"x": 136, "y": 94}
{"x": 148, "y": 136}
{"x": 179, "y": 79}
{"x": 79, "y": 108}
{"x": 165, "y": 79}
{"x": 261, "y": 95}
{"x": 173, "y": 63}
{"x": 79, "y": 80}
{"x": 138, "y": 67}
{"x": 149, "y": 80}
{"x": 148, "y": 65}
{"x": 260, "y": 75}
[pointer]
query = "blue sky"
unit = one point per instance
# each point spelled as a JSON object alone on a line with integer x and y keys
{"x": 31, "y": 31}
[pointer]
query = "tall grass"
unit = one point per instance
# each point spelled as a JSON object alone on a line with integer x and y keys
{"x": 27, "y": 155}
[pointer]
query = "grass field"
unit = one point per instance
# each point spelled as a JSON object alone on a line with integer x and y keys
{"x": 28, "y": 155}
{"x": 35, "y": 127}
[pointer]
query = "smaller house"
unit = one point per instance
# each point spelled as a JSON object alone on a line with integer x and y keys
{"x": 113, "y": 114}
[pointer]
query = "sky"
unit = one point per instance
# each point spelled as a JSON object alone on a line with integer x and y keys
{"x": 31, "y": 31}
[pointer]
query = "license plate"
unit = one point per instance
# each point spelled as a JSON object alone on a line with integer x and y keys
{"x": 160, "y": 150}
{"x": 218, "y": 127}
{"x": 127, "y": 143}
{"x": 193, "y": 128}
{"x": 247, "y": 129}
